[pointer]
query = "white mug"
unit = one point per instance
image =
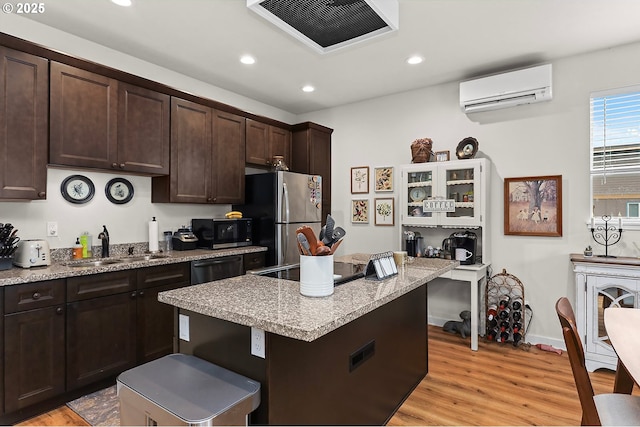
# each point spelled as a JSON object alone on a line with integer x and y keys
{"x": 463, "y": 254}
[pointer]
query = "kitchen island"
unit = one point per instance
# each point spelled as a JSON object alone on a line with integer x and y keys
{"x": 349, "y": 358}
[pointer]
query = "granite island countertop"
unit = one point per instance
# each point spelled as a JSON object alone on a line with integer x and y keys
{"x": 61, "y": 270}
{"x": 276, "y": 305}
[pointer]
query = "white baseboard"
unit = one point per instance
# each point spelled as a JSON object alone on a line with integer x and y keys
{"x": 533, "y": 339}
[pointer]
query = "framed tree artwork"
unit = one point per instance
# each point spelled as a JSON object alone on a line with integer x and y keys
{"x": 533, "y": 206}
{"x": 384, "y": 211}
{"x": 360, "y": 180}
{"x": 360, "y": 211}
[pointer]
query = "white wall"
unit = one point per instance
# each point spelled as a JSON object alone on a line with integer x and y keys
{"x": 541, "y": 139}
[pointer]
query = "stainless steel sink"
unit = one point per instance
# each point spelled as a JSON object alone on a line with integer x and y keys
{"x": 148, "y": 257}
{"x": 93, "y": 263}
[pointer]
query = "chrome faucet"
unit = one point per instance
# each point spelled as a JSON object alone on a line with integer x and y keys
{"x": 104, "y": 236}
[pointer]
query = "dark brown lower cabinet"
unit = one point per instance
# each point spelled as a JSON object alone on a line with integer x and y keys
{"x": 34, "y": 352}
{"x": 101, "y": 326}
{"x": 101, "y": 338}
{"x": 34, "y": 356}
{"x": 154, "y": 318}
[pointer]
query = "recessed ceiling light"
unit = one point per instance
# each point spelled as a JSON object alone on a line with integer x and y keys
{"x": 308, "y": 88}
{"x": 415, "y": 59}
{"x": 122, "y": 2}
{"x": 247, "y": 59}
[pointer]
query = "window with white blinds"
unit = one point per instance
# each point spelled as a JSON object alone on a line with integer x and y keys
{"x": 615, "y": 152}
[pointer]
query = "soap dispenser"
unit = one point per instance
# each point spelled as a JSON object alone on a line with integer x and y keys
{"x": 76, "y": 252}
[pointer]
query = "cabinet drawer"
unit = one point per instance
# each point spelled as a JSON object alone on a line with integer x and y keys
{"x": 175, "y": 274}
{"x": 33, "y": 295}
{"x": 99, "y": 285}
{"x": 254, "y": 260}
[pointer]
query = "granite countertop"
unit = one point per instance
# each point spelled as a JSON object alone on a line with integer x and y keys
{"x": 58, "y": 269}
{"x": 276, "y": 305}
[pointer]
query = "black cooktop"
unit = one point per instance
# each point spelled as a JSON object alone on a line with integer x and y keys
{"x": 343, "y": 272}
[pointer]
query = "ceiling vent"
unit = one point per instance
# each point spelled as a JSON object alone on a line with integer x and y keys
{"x": 327, "y": 25}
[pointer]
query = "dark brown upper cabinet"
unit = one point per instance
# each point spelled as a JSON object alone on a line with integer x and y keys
{"x": 265, "y": 141}
{"x": 24, "y": 112}
{"x": 311, "y": 154}
{"x": 207, "y": 156}
{"x": 143, "y": 130}
{"x": 98, "y": 122}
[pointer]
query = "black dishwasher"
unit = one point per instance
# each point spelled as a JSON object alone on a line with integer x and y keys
{"x": 208, "y": 270}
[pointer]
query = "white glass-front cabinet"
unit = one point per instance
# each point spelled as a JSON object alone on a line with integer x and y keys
{"x": 449, "y": 193}
{"x": 600, "y": 285}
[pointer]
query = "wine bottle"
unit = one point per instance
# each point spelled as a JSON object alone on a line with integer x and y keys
{"x": 493, "y": 334}
{"x": 504, "y": 326}
{"x": 517, "y": 326}
{"x": 504, "y": 302}
{"x": 504, "y": 313}
{"x": 517, "y": 304}
{"x": 516, "y": 316}
{"x": 517, "y": 337}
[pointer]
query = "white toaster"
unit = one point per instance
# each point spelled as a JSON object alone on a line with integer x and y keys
{"x": 32, "y": 253}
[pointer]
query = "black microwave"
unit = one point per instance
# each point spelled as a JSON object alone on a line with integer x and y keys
{"x": 222, "y": 233}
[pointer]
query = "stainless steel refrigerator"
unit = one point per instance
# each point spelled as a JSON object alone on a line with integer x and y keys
{"x": 279, "y": 203}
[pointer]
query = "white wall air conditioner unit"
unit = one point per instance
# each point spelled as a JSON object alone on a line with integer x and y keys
{"x": 327, "y": 25}
{"x": 525, "y": 86}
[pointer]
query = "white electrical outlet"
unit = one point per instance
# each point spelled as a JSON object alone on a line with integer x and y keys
{"x": 257, "y": 342}
{"x": 52, "y": 229}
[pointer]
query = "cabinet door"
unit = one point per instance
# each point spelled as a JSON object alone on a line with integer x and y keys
{"x": 460, "y": 181}
{"x": 155, "y": 319}
{"x": 155, "y": 324}
{"x": 604, "y": 292}
{"x": 320, "y": 164}
{"x": 101, "y": 338}
{"x": 257, "y": 143}
{"x": 228, "y": 157}
{"x": 191, "y": 153}
{"x": 34, "y": 356}
{"x": 24, "y": 112}
{"x": 143, "y": 130}
{"x": 419, "y": 183}
{"x": 279, "y": 144}
{"x": 83, "y": 125}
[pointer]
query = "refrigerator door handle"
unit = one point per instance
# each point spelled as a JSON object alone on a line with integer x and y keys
{"x": 285, "y": 201}
{"x": 284, "y": 246}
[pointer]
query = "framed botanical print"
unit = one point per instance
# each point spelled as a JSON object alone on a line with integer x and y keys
{"x": 360, "y": 211}
{"x": 360, "y": 180}
{"x": 533, "y": 206}
{"x": 384, "y": 211}
{"x": 384, "y": 179}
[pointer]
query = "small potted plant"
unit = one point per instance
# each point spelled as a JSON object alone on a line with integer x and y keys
{"x": 588, "y": 251}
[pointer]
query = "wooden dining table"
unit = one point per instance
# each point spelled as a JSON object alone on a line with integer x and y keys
{"x": 623, "y": 329}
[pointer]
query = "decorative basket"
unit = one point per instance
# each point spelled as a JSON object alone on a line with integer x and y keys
{"x": 421, "y": 150}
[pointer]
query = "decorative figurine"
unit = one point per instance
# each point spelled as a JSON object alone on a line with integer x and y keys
{"x": 463, "y": 328}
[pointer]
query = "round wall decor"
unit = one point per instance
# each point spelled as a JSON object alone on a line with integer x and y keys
{"x": 467, "y": 148}
{"x": 77, "y": 189}
{"x": 119, "y": 191}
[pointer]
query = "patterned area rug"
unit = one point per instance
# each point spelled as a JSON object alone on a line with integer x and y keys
{"x": 98, "y": 409}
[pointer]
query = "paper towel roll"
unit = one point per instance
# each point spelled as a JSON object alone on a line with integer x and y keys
{"x": 153, "y": 235}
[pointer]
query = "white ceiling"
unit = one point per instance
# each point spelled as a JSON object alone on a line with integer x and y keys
{"x": 459, "y": 39}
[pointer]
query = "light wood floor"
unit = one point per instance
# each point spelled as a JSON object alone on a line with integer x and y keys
{"x": 497, "y": 385}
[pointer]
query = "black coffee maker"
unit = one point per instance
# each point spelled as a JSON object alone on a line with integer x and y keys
{"x": 462, "y": 246}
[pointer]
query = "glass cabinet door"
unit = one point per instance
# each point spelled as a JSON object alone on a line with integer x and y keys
{"x": 604, "y": 293}
{"x": 461, "y": 184}
{"x": 419, "y": 187}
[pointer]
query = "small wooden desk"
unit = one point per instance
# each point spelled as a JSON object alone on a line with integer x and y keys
{"x": 622, "y": 328}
